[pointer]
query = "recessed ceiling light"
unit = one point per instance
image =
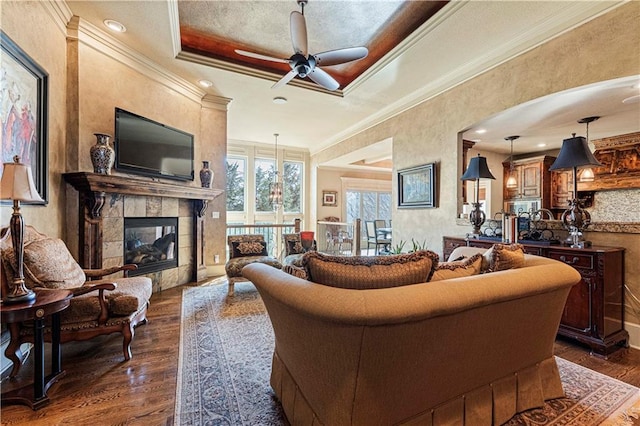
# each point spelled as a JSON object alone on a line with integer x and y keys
{"x": 115, "y": 25}
{"x": 541, "y": 145}
{"x": 279, "y": 100}
{"x": 205, "y": 83}
{"x": 481, "y": 131}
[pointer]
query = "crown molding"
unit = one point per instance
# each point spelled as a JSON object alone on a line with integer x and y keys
{"x": 576, "y": 14}
{"x": 216, "y": 102}
{"x": 60, "y": 12}
{"x": 104, "y": 43}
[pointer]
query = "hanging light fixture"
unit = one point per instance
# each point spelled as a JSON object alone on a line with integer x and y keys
{"x": 587, "y": 174}
{"x": 275, "y": 188}
{"x": 512, "y": 182}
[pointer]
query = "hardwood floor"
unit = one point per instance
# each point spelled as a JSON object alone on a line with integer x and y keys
{"x": 100, "y": 388}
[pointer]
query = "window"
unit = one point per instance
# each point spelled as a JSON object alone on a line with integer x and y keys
{"x": 292, "y": 182}
{"x": 265, "y": 175}
{"x": 368, "y": 205}
{"x": 236, "y": 184}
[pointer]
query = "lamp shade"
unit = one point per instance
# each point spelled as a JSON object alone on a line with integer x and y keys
{"x": 575, "y": 152}
{"x": 477, "y": 169}
{"x": 17, "y": 182}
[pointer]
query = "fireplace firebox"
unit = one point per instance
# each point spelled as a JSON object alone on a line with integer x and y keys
{"x": 151, "y": 243}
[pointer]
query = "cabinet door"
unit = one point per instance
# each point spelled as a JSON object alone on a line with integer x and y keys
{"x": 531, "y": 180}
{"x": 577, "y": 310}
{"x": 561, "y": 189}
{"x": 512, "y": 193}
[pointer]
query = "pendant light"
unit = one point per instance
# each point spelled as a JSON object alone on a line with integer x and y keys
{"x": 275, "y": 188}
{"x": 587, "y": 174}
{"x": 512, "y": 182}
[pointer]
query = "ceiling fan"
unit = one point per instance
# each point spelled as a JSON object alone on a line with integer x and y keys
{"x": 305, "y": 65}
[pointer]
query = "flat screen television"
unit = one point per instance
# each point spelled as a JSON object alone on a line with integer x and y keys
{"x": 149, "y": 148}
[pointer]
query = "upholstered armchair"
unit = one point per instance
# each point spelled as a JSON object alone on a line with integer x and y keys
{"x": 243, "y": 250}
{"x": 98, "y": 306}
{"x": 293, "y": 249}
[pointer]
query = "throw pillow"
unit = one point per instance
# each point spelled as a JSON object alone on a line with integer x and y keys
{"x": 503, "y": 256}
{"x": 463, "y": 267}
{"x": 295, "y": 247}
{"x": 48, "y": 263}
{"x": 249, "y": 248}
{"x": 370, "y": 272}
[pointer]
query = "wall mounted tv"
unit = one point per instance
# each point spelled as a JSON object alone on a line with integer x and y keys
{"x": 149, "y": 148}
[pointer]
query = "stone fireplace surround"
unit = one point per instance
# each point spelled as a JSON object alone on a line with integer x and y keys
{"x": 105, "y": 200}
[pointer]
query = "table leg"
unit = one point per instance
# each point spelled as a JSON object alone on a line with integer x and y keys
{"x": 12, "y": 348}
{"x": 38, "y": 361}
{"x": 55, "y": 344}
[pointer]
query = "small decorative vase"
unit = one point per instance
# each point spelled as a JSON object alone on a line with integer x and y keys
{"x": 206, "y": 175}
{"x": 102, "y": 155}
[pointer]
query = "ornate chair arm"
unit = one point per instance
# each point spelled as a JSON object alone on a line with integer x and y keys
{"x": 101, "y": 286}
{"x": 90, "y": 286}
{"x": 98, "y": 273}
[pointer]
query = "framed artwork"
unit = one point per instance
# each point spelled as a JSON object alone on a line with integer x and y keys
{"x": 24, "y": 87}
{"x": 329, "y": 198}
{"x": 416, "y": 187}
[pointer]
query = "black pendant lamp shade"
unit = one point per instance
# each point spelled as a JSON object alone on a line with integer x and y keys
{"x": 575, "y": 152}
{"x": 477, "y": 169}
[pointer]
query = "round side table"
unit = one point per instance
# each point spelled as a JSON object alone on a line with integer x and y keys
{"x": 47, "y": 303}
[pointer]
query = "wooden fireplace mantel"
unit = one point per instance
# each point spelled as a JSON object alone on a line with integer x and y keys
{"x": 92, "y": 191}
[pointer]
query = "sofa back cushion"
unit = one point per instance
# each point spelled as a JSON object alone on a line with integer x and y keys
{"x": 370, "y": 272}
{"x": 464, "y": 267}
{"x": 501, "y": 257}
{"x": 47, "y": 263}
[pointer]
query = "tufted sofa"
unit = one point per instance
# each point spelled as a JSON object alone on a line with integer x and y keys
{"x": 245, "y": 249}
{"x": 470, "y": 350}
{"x": 98, "y": 306}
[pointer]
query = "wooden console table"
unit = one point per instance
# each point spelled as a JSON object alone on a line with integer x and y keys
{"x": 47, "y": 303}
{"x": 93, "y": 189}
{"x": 594, "y": 312}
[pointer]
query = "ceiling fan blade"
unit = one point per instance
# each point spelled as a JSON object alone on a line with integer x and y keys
{"x": 259, "y": 56}
{"x": 284, "y": 80}
{"x": 298, "y": 33}
{"x": 340, "y": 56}
{"x": 323, "y": 79}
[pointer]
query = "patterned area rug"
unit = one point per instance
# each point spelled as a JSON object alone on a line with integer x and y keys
{"x": 225, "y": 363}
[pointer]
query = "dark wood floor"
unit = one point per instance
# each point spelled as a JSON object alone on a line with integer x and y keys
{"x": 100, "y": 388}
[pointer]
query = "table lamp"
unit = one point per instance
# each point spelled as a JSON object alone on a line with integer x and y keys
{"x": 575, "y": 153}
{"x": 306, "y": 239}
{"x": 477, "y": 170}
{"x": 17, "y": 185}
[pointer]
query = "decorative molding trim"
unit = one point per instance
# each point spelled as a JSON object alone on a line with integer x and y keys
{"x": 174, "y": 26}
{"x": 102, "y": 42}
{"x": 60, "y": 12}
{"x": 577, "y": 13}
{"x": 216, "y": 102}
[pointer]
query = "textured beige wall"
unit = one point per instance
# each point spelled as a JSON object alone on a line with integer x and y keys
{"x": 46, "y": 47}
{"x": 85, "y": 86}
{"x": 603, "y": 49}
